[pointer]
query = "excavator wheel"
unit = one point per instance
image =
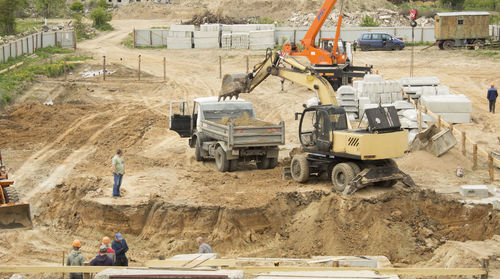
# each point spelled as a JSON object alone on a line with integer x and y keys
{"x": 11, "y": 195}
{"x": 342, "y": 174}
{"x": 299, "y": 168}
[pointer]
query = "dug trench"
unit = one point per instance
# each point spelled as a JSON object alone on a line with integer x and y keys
{"x": 404, "y": 225}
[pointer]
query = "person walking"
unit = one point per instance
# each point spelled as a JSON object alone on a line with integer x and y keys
{"x": 120, "y": 246}
{"x": 492, "y": 97}
{"x": 102, "y": 259}
{"x": 75, "y": 258}
{"x": 203, "y": 247}
{"x": 109, "y": 251}
{"x": 118, "y": 172}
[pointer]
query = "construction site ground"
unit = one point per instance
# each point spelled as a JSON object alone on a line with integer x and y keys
{"x": 60, "y": 159}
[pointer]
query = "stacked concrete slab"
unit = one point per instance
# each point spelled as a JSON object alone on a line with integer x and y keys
{"x": 226, "y": 40}
{"x": 206, "y": 39}
{"x": 373, "y": 89}
{"x": 180, "y": 37}
{"x": 261, "y": 39}
{"x": 240, "y": 40}
{"x": 347, "y": 98}
{"x": 415, "y": 87}
{"x": 452, "y": 108}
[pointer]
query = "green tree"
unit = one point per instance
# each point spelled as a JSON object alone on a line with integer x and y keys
{"x": 48, "y": 8}
{"x": 76, "y": 7}
{"x": 456, "y": 4}
{"x": 102, "y": 4}
{"x": 369, "y": 21}
{"x": 7, "y": 16}
{"x": 101, "y": 19}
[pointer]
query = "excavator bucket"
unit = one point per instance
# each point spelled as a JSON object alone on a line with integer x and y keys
{"x": 233, "y": 85}
{"x": 13, "y": 216}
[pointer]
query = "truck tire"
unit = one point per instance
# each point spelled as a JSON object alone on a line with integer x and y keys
{"x": 273, "y": 162}
{"x": 197, "y": 151}
{"x": 262, "y": 163}
{"x": 11, "y": 195}
{"x": 221, "y": 160}
{"x": 447, "y": 45}
{"x": 342, "y": 174}
{"x": 299, "y": 168}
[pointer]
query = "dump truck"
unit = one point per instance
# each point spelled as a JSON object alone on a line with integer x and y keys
{"x": 13, "y": 214}
{"x": 459, "y": 29}
{"x": 227, "y": 131}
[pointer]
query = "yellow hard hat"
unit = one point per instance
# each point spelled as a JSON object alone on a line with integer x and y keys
{"x": 76, "y": 243}
{"x": 106, "y": 240}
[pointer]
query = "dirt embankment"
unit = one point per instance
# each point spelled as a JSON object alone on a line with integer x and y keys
{"x": 406, "y": 226}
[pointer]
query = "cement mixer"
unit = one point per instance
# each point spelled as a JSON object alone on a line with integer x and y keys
{"x": 13, "y": 214}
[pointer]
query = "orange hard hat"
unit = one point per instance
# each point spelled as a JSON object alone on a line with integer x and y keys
{"x": 76, "y": 243}
{"x": 492, "y": 84}
{"x": 106, "y": 240}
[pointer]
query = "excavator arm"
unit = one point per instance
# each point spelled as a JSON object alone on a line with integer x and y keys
{"x": 233, "y": 85}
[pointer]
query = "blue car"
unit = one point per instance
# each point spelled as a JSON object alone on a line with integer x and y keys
{"x": 369, "y": 41}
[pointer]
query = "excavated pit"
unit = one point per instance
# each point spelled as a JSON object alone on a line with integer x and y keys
{"x": 406, "y": 226}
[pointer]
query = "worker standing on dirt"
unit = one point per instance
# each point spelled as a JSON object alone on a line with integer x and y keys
{"x": 203, "y": 247}
{"x": 120, "y": 246}
{"x": 75, "y": 258}
{"x": 118, "y": 172}
{"x": 492, "y": 97}
{"x": 109, "y": 251}
{"x": 102, "y": 259}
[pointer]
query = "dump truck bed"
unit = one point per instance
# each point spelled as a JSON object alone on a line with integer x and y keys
{"x": 263, "y": 134}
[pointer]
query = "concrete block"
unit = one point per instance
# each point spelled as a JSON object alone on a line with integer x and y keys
{"x": 371, "y": 263}
{"x": 226, "y": 39}
{"x": 206, "y": 34}
{"x": 362, "y": 101}
{"x": 346, "y": 89}
{"x": 447, "y": 103}
{"x": 179, "y": 43}
{"x": 239, "y": 40}
{"x": 455, "y": 117}
{"x": 396, "y": 96}
{"x": 442, "y": 90}
{"x": 243, "y": 27}
{"x": 379, "y": 87}
{"x": 412, "y": 114}
{"x": 210, "y": 27}
{"x": 373, "y": 78}
{"x": 374, "y": 97}
{"x": 178, "y": 27}
{"x": 496, "y": 204}
{"x": 428, "y": 91}
{"x": 474, "y": 191}
{"x": 348, "y": 103}
{"x": 386, "y": 98}
{"x": 419, "y": 81}
{"x": 180, "y": 34}
{"x": 206, "y": 43}
{"x": 351, "y": 109}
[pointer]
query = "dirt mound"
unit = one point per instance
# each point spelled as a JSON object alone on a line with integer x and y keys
{"x": 244, "y": 120}
{"x": 218, "y": 17}
{"x": 293, "y": 224}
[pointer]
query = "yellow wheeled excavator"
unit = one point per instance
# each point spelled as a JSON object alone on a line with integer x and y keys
{"x": 353, "y": 158}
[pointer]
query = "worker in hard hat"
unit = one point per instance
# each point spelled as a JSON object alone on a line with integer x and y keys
{"x": 492, "y": 97}
{"x": 75, "y": 258}
{"x": 120, "y": 246}
{"x": 106, "y": 241}
{"x": 102, "y": 259}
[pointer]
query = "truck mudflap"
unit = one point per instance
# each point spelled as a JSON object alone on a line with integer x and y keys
{"x": 371, "y": 175}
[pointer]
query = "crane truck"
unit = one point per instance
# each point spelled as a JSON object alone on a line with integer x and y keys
{"x": 330, "y": 60}
{"x": 352, "y": 158}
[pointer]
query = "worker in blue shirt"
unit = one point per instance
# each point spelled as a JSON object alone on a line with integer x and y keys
{"x": 492, "y": 97}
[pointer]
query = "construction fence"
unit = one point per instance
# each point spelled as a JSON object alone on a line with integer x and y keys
{"x": 162, "y": 37}
{"x": 30, "y": 43}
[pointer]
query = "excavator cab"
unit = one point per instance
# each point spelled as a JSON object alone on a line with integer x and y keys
{"x": 317, "y": 125}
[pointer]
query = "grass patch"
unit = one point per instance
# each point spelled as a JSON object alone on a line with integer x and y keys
{"x": 41, "y": 64}
{"x": 409, "y": 43}
{"x": 27, "y": 25}
{"x": 161, "y": 27}
{"x": 129, "y": 41}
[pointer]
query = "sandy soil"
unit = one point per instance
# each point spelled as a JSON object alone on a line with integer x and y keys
{"x": 60, "y": 159}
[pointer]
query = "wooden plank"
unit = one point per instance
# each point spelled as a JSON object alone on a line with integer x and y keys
{"x": 11, "y": 67}
{"x": 182, "y": 263}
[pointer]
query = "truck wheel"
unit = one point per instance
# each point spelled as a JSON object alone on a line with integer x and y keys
{"x": 233, "y": 165}
{"x": 299, "y": 168}
{"x": 197, "y": 151}
{"x": 262, "y": 163}
{"x": 365, "y": 48}
{"x": 273, "y": 162}
{"x": 448, "y": 44}
{"x": 342, "y": 174}
{"x": 221, "y": 160}
{"x": 441, "y": 45}
{"x": 11, "y": 195}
